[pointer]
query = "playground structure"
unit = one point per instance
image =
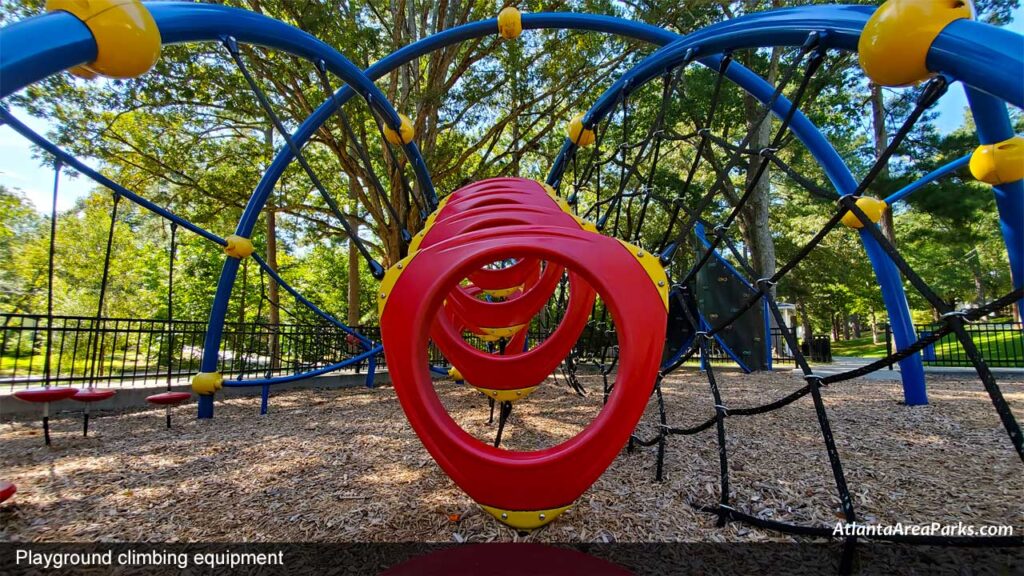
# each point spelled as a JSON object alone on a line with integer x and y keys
{"x": 540, "y": 233}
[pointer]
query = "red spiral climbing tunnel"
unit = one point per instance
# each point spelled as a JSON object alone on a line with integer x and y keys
{"x": 449, "y": 285}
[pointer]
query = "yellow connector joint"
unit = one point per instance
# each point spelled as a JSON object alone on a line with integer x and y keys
{"x": 238, "y": 247}
{"x": 894, "y": 45}
{"x": 405, "y": 133}
{"x": 873, "y": 208}
{"x": 1000, "y": 163}
{"x": 510, "y": 23}
{"x": 206, "y": 383}
{"x": 127, "y": 38}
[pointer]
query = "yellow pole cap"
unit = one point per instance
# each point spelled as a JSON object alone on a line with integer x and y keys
{"x": 872, "y": 207}
{"x": 238, "y": 247}
{"x": 207, "y": 383}
{"x": 894, "y": 45}
{"x": 405, "y": 133}
{"x": 454, "y": 374}
{"x": 1000, "y": 163}
{"x": 577, "y": 133}
{"x": 127, "y": 37}
{"x": 510, "y": 23}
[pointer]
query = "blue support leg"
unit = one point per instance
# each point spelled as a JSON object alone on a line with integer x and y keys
{"x": 371, "y": 369}
{"x": 888, "y": 276}
{"x": 993, "y": 124}
{"x": 264, "y": 399}
{"x": 215, "y": 329}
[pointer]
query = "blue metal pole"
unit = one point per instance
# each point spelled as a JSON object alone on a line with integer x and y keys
{"x": 264, "y": 399}
{"x": 928, "y": 179}
{"x": 993, "y": 125}
{"x": 895, "y": 299}
{"x": 371, "y": 371}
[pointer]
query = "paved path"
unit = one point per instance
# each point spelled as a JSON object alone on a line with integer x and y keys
{"x": 846, "y": 363}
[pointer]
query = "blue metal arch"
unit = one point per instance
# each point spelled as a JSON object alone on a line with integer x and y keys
{"x": 954, "y": 53}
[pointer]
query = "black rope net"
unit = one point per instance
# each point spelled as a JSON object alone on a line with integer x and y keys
{"x": 631, "y": 191}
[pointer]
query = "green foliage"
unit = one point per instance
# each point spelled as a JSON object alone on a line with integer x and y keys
{"x": 190, "y": 136}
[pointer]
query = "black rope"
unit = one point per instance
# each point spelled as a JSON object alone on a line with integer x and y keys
{"x": 321, "y": 69}
{"x": 95, "y": 333}
{"x": 49, "y": 273}
{"x": 170, "y": 308}
{"x": 503, "y": 414}
{"x": 812, "y": 66}
{"x": 232, "y": 46}
{"x": 809, "y": 44}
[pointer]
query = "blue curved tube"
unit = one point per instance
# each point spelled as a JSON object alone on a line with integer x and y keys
{"x": 838, "y": 27}
{"x": 993, "y": 123}
{"x": 303, "y": 375}
{"x": 928, "y": 179}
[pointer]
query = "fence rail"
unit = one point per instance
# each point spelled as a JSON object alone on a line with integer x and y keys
{"x": 1001, "y": 345}
{"x": 134, "y": 352}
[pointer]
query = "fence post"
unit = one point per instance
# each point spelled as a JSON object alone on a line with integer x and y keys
{"x": 888, "y": 342}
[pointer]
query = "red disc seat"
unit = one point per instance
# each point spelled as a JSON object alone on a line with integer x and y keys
{"x": 7, "y": 490}
{"x": 42, "y": 395}
{"x": 169, "y": 398}
{"x": 93, "y": 394}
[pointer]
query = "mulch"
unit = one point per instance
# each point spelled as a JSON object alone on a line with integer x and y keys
{"x": 343, "y": 465}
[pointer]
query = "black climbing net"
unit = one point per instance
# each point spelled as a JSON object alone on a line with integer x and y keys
{"x": 629, "y": 192}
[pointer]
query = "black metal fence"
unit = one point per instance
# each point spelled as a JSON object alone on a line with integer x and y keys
{"x": 130, "y": 352}
{"x": 1001, "y": 345}
{"x": 133, "y": 352}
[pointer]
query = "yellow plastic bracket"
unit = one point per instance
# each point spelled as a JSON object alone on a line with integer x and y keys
{"x": 389, "y": 281}
{"x": 1000, "y": 163}
{"x": 507, "y": 395}
{"x": 455, "y": 375}
{"x": 504, "y": 292}
{"x": 894, "y": 45}
{"x": 207, "y": 383}
{"x": 238, "y": 247}
{"x": 127, "y": 37}
{"x": 577, "y": 133}
{"x": 872, "y": 207}
{"x": 652, "y": 265}
{"x": 510, "y": 23}
{"x": 525, "y": 520}
{"x": 406, "y": 132}
{"x": 492, "y": 334}
{"x": 586, "y": 224}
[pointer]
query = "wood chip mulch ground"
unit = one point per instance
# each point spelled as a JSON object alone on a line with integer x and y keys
{"x": 344, "y": 465}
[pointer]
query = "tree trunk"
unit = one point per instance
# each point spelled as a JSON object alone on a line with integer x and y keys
{"x": 874, "y": 327}
{"x": 881, "y": 142}
{"x": 855, "y": 319}
{"x": 755, "y": 215}
{"x": 353, "y": 279}
{"x": 974, "y": 261}
{"x": 805, "y": 319}
{"x": 272, "y": 290}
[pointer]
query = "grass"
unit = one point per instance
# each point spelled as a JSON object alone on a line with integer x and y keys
{"x": 1003, "y": 348}
{"x": 859, "y": 348}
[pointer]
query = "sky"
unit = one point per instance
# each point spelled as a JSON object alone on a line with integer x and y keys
{"x": 34, "y": 176}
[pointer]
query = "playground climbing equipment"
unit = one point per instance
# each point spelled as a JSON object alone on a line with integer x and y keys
{"x": 492, "y": 250}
